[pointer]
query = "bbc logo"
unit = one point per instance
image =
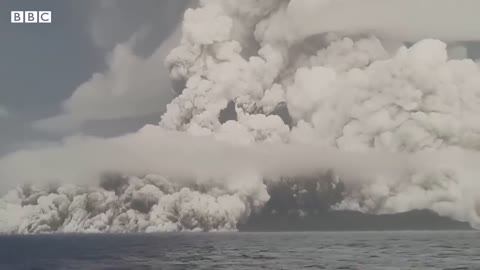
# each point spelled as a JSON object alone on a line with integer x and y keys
{"x": 31, "y": 17}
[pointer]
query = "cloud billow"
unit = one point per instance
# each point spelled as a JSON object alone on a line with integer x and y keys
{"x": 387, "y": 106}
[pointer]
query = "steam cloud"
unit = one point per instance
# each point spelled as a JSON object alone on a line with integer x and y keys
{"x": 274, "y": 89}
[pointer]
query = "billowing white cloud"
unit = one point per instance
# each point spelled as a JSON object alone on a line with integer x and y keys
{"x": 173, "y": 181}
{"x": 396, "y": 122}
{"x": 170, "y": 181}
{"x": 147, "y": 204}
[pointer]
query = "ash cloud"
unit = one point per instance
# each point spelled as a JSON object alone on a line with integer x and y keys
{"x": 265, "y": 101}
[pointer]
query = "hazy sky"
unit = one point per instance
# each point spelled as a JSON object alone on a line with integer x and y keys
{"x": 43, "y": 64}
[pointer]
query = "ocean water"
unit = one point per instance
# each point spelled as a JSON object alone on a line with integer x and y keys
{"x": 298, "y": 250}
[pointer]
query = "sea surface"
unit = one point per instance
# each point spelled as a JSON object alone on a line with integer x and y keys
{"x": 287, "y": 250}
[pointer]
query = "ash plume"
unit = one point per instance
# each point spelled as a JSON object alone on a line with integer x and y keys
{"x": 287, "y": 106}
